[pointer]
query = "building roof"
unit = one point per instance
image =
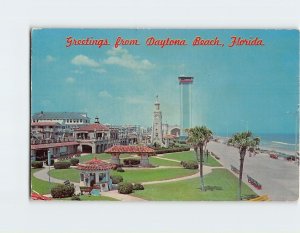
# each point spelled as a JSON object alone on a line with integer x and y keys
{"x": 95, "y": 165}
{"x": 129, "y": 149}
{"x": 93, "y": 127}
{"x": 184, "y": 79}
{"x": 52, "y": 145}
{"x": 45, "y": 123}
{"x": 60, "y": 115}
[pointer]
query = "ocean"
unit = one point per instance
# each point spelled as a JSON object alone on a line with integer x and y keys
{"x": 284, "y": 143}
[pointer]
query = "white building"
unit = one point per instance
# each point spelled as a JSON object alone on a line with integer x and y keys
{"x": 157, "y": 133}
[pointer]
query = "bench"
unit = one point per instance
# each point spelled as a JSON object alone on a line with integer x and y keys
{"x": 254, "y": 182}
{"x": 235, "y": 170}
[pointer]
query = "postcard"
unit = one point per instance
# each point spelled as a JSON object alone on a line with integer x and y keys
{"x": 164, "y": 115}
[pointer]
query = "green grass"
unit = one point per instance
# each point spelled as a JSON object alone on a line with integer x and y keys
{"x": 144, "y": 175}
{"x": 91, "y": 198}
{"x": 190, "y": 155}
{"x": 70, "y": 174}
{"x": 40, "y": 186}
{"x": 134, "y": 176}
{"x": 102, "y": 156}
{"x": 161, "y": 162}
{"x": 188, "y": 190}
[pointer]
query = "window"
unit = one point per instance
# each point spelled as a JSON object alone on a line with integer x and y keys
{"x": 80, "y": 120}
{"x": 81, "y": 177}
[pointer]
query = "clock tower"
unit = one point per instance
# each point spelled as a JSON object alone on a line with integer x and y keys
{"x": 157, "y": 136}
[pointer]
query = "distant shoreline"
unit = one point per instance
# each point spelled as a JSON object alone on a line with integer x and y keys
{"x": 266, "y": 149}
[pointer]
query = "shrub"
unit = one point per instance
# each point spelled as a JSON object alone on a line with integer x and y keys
{"x": 131, "y": 162}
{"x": 171, "y": 150}
{"x": 138, "y": 187}
{"x": 116, "y": 179}
{"x": 120, "y": 169}
{"x": 75, "y": 198}
{"x": 74, "y": 161}
{"x": 125, "y": 188}
{"x": 62, "y": 165}
{"x": 61, "y": 191}
{"x": 189, "y": 164}
{"x": 37, "y": 164}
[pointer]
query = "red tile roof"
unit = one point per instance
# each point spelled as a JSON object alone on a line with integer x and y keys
{"x": 52, "y": 145}
{"x": 95, "y": 165}
{"x": 93, "y": 127}
{"x": 129, "y": 149}
{"x": 45, "y": 123}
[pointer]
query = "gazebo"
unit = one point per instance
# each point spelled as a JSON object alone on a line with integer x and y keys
{"x": 143, "y": 151}
{"x": 96, "y": 172}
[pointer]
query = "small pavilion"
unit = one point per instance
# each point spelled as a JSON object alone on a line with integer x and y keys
{"x": 96, "y": 172}
{"x": 143, "y": 151}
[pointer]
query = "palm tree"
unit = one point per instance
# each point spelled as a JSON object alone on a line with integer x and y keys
{"x": 198, "y": 137}
{"x": 244, "y": 141}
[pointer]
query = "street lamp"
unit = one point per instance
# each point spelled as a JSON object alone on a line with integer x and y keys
{"x": 49, "y": 164}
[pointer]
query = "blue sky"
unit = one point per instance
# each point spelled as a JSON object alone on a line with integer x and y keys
{"x": 232, "y": 87}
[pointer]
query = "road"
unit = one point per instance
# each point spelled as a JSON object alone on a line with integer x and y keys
{"x": 279, "y": 178}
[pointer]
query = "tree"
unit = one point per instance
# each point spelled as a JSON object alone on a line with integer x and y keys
{"x": 244, "y": 141}
{"x": 198, "y": 137}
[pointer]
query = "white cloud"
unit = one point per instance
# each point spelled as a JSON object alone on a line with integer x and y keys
{"x": 104, "y": 94}
{"x": 70, "y": 80}
{"x": 121, "y": 57}
{"x": 50, "y": 58}
{"x": 82, "y": 60}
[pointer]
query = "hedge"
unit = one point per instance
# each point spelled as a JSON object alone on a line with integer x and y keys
{"x": 37, "y": 164}
{"x": 138, "y": 187}
{"x": 131, "y": 162}
{"x": 116, "y": 179}
{"x": 62, "y": 191}
{"x": 120, "y": 169}
{"x": 62, "y": 165}
{"x": 74, "y": 161}
{"x": 171, "y": 150}
{"x": 125, "y": 188}
{"x": 189, "y": 164}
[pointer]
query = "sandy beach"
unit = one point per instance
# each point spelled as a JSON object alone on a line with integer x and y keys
{"x": 279, "y": 178}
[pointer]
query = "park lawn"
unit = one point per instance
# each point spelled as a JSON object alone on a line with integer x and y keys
{"x": 102, "y": 156}
{"x": 91, "y": 198}
{"x": 70, "y": 174}
{"x": 40, "y": 186}
{"x": 145, "y": 175}
{"x": 134, "y": 176}
{"x": 161, "y": 162}
{"x": 189, "y": 190}
{"x": 190, "y": 155}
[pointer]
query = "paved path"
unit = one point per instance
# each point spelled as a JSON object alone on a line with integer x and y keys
{"x": 174, "y": 160}
{"x": 206, "y": 170}
{"x": 279, "y": 179}
{"x": 121, "y": 197}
